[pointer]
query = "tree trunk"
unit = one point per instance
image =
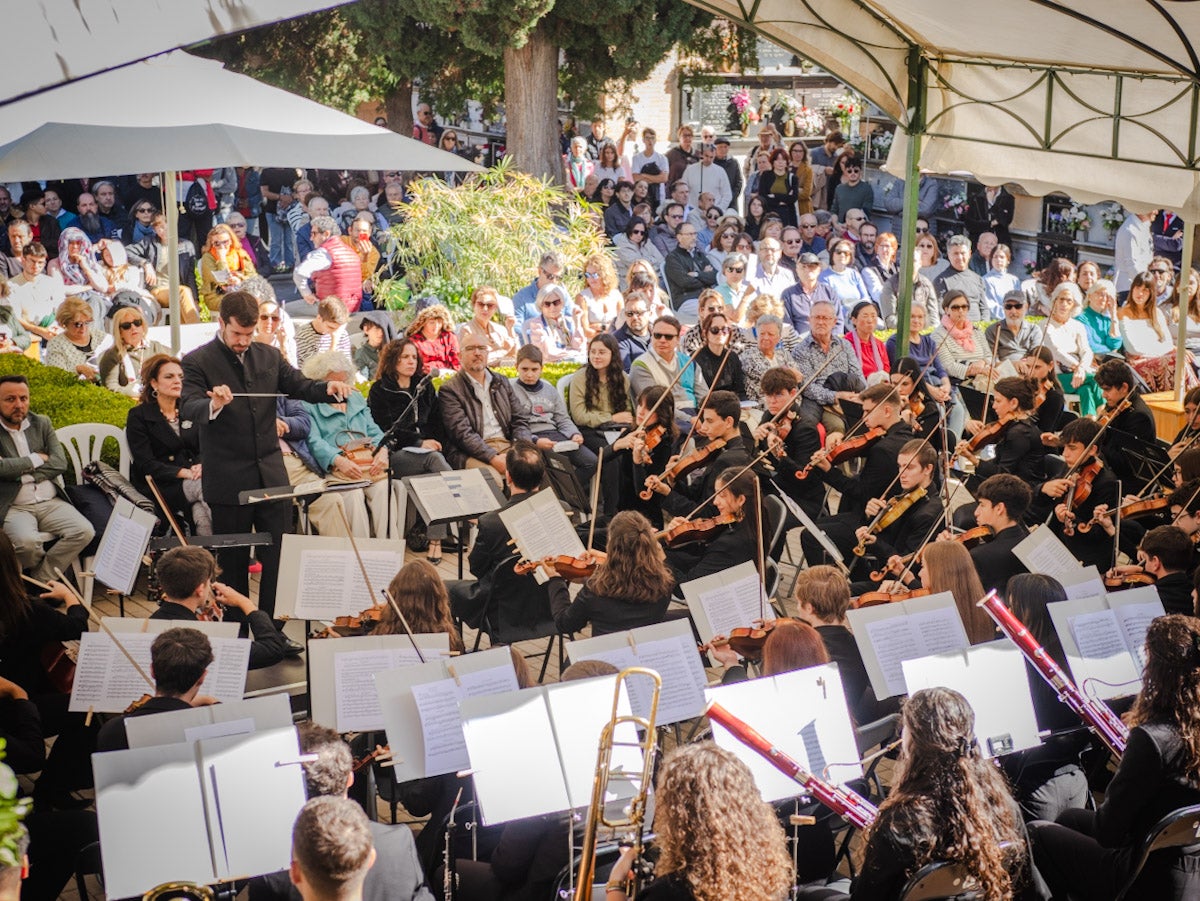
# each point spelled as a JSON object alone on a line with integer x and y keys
{"x": 531, "y": 105}
{"x": 397, "y": 106}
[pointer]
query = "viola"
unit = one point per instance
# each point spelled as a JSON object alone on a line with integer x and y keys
{"x": 688, "y": 463}
{"x": 573, "y": 569}
{"x": 891, "y": 512}
{"x": 874, "y": 598}
{"x": 748, "y": 641}
{"x": 848, "y": 449}
{"x": 1133, "y": 510}
{"x": 992, "y": 433}
{"x": 696, "y": 530}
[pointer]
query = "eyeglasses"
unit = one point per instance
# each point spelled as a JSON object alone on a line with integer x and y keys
{"x": 267, "y": 317}
{"x": 131, "y": 323}
{"x": 591, "y": 275}
{"x": 144, "y": 209}
{"x": 792, "y": 241}
{"x": 922, "y": 231}
{"x": 552, "y": 277}
{"x": 638, "y": 231}
{"x": 846, "y": 252}
{"x": 958, "y": 306}
{"x": 83, "y": 324}
{"x": 1160, "y": 271}
{"x": 1014, "y": 306}
{"x": 629, "y": 314}
{"x": 552, "y": 303}
{"x": 718, "y": 330}
{"x": 486, "y": 305}
{"x": 664, "y": 336}
{"x": 738, "y": 269}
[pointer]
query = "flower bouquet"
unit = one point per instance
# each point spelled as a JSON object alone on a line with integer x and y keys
{"x": 955, "y": 202}
{"x": 1076, "y": 219}
{"x": 743, "y": 105}
{"x": 1112, "y": 217}
{"x": 809, "y": 122}
{"x": 846, "y": 109}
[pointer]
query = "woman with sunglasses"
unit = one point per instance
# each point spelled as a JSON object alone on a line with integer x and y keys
{"x": 734, "y": 286}
{"x": 931, "y": 263}
{"x": 484, "y": 329}
{"x": 79, "y": 344}
{"x": 710, "y": 301}
{"x": 713, "y": 356}
{"x": 632, "y": 245}
{"x": 252, "y": 244}
{"x": 964, "y": 353}
{"x": 557, "y": 336}
{"x": 275, "y": 327}
{"x": 224, "y": 265}
{"x": 842, "y": 277}
{"x": 121, "y": 365}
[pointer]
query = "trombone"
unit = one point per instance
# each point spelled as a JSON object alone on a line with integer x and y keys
{"x": 635, "y": 812}
{"x": 192, "y": 890}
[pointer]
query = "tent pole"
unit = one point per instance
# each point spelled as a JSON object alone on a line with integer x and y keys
{"x": 1185, "y": 270}
{"x": 912, "y": 175}
{"x": 171, "y": 201}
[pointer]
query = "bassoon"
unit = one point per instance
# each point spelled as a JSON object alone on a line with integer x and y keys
{"x": 849, "y": 805}
{"x": 1096, "y": 714}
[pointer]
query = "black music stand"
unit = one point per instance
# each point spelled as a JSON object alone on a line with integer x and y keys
{"x": 304, "y": 494}
{"x": 440, "y": 499}
{"x": 1144, "y": 460}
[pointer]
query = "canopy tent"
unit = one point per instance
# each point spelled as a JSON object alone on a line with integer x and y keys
{"x": 192, "y": 113}
{"x": 1095, "y": 98}
{"x": 56, "y": 41}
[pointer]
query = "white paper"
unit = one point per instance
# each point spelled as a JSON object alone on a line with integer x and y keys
{"x": 889, "y": 634}
{"x": 540, "y": 528}
{"x": 667, "y": 648}
{"x": 804, "y": 714}
{"x": 342, "y": 671}
{"x": 727, "y": 600}
{"x": 505, "y": 306}
{"x": 130, "y": 624}
{"x": 1086, "y": 583}
{"x": 441, "y": 724}
{"x": 564, "y": 447}
{"x": 1103, "y": 639}
{"x": 119, "y": 557}
{"x": 187, "y": 726}
{"x": 106, "y": 682}
{"x": 320, "y": 579}
{"x": 1042, "y": 552}
{"x": 219, "y": 730}
{"x": 992, "y": 678}
{"x": 456, "y": 494}
{"x": 1134, "y": 620}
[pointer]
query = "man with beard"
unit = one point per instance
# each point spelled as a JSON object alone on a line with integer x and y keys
{"x": 91, "y": 223}
{"x": 864, "y": 251}
{"x": 111, "y": 209}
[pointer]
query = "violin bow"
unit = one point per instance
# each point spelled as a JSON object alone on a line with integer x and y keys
{"x": 362, "y": 567}
{"x": 404, "y": 622}
{"x": 916, "y": 555}
{"x": 1125, "y": 402}
{"x": 595, "y": 498}
{"x": 708, "y": 394}
{"x": 92, "y": 614}
{"x": 1170, "y": 462}
{"x": 1117, "y": 527}
{"x": 760, "y": 551}
{"x": 987, "y": 396}
{"x": 166, "y": 510}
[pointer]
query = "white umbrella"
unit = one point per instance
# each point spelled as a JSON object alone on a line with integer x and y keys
{"x": 178, "y": 111}
{"x": 53, "y": 41}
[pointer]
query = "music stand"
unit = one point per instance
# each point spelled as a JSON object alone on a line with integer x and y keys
{"x": 440, "y": 500}
{"x": 1144, "y": 460}
{"x": 304, "y": 494}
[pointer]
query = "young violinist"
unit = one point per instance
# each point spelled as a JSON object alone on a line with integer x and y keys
{"x": 1074, "y": 500}
{"x": 1187, "y": 436}
{"x": 920, "y": 407}
{"x": 1003, "y": 500}
{"x": 187, "y": 576}
{"x": 1167, "y": 555}
{"x": 631, "y": 588}
{"x": 1048, "y": 399}
{"x": 1087, "y": 854}
{"x": 420, "y": 593}
{"x": 737, "y": 543}
{"x": 179, "y": 661}
{"x": 792, "y": 440}
{"x": 899, "y": 523}
{"x": 1019, "y": 447}
{"x": 719, "y": 423}
{"x": 947, "y": 803}
{"x": 1134, "y": 425}
{"x": 1180, "y": 508}
{"x": 644, "y": 449}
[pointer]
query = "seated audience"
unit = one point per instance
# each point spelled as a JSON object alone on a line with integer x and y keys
{"x": 501, "y": 339}
{"x": 432, "y": 331}
{"x": 378, "y": 329}
{"x": 480, "y": 416}
{"x": 36, "y": 296}
{"x": 151, "y": 254}
{"x": 546, "y": 413}
{"x": 79, "y": 343}
{"x": 326, "y": 331}
{"x": 121, "y": 365}
{"x": 558, "y": 336}
{"x": 223, "y": 266}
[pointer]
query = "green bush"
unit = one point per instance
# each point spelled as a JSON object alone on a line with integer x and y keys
{"x": 66, "y": 400}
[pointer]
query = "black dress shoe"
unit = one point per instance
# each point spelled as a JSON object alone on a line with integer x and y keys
{"x": 291, "y": 648}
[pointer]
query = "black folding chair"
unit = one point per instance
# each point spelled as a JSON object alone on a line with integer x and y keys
{"x": 1178, "y": 829}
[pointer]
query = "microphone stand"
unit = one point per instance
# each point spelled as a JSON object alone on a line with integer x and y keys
{"x": 389, "y": 438}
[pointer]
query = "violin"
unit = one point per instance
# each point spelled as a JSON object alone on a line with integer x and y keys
{"x": 916, "y": 405}
{"x": 968, "y": 539}
{"x": 992, "y": 433}
{"x": 210, "y": 611}
{"x": 696, "y": 530}
{"x": 1129, "y": 580}
{"x": 891, "y": 512}
{"x": 1105, "y": 419}
{"x": 1041, "y": 390}
{"x": 688, "y": 463}
{"x": 381, "y": 752}
{"x": 1132, "y": 510}
{"x": 1084, "y": 480}
{"x": 573, "y": 569}
{"x": 139, "y": 703}
{"x": 874, "y": 598}
{"x": 748, "y": 641}
{"x": 653, "y": 436}
{"x": 848, "y": 449}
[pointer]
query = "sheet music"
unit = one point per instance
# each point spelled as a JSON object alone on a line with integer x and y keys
{"x": 192, "y": 724}
{"x": 992, "y": 678}
{"x": 441, "y": 723}
{"x": 106, "y": 682}
{"x": 889, "y": 634}
{"x": 1103, "y": 644}
{"x": 1098, "y": 636}
{"x": 1086, "y": 583}
{"x": 331, "y": 584}
{"x": 727, "y": 600}
{"x": 471, "y": 491}
{"x": 1042, "y": 552}
{"x": 119, "y": 557}
{"x": 356, "y": 700}
{"x": 540, "y": 528}
{"x": 1134, "y": 620}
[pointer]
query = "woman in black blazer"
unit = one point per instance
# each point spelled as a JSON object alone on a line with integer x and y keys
{"x": 166, "y": 446}
{"x": 734, "y": 544}
{"x": 631, "y": 588}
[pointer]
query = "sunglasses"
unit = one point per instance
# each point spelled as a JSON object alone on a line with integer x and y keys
{"x": 854, "y": 168}
{"x": 84, "y": 324}
{"x": 638, "y": 231}
{"x": 922, "y": 231}
{"x": 719, "y": 330}
{"x": 591, "y": 275}
{"x": 552, "y": 278}
{"x": 1014, "y": 306}
{"x": 735, "y": 268}
{"x": 131, "y": 323}
{"x": 664, "y": 336}
{"x": 554, "y": 303}
{"x": 489, "y": 306}
{"x": 266, "y": 317}
{"x": 958, "y": 306}
{"x": 631, "y": 313}
{"x": 1160, "y": 271}
{"x": 144, "y": 209}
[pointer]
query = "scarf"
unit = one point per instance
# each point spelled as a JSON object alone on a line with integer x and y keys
{"x": 964, "y": 337}
{"x": 143, "y": 232}
{"x": 72, "y": 273}
{"x": 856, "y": 343}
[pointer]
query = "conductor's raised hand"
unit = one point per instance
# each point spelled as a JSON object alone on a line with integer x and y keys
{"x": 219, "y": 396}
{"x": 339, "y": 391}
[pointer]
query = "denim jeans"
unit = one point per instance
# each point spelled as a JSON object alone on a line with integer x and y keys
{"x": 283, "y": 245}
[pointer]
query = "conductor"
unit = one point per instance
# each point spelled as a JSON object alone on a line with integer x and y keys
{"x": 229, "y": 390}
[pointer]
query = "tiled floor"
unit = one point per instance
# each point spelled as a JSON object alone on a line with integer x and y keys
{"x": 139, "y": 606}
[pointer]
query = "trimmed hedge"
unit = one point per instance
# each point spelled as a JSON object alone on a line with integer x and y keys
{"x": 61, "y": 396}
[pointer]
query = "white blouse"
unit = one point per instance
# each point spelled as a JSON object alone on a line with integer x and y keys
{"x": 1139, "y": 339}
{"x": 1069, "y": 344}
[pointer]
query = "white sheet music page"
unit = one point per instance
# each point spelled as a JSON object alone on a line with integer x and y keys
{"x": 540, "y": 528}
{"x": 356, "y": 700}
{"x": 119, "y": 557}
{"x": 1096, "y": 647}
{"x": 889, "y": 634}
{"x": 1043, "y": 552}
{"x": 441, "y": 723}
{"x": 331, "y": 584}
{"x": 727, "y": 600}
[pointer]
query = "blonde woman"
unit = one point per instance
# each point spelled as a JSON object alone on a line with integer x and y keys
{"x": 78, "y": 346}
{"x": 275, "y": 327}
{"x": 224, "y": 265}
{"x": 600, "y": 297}
{"x": 121, "y": 365}
{"x": 500, "y": 339}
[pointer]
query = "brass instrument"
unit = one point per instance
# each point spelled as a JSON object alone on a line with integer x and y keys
{"x": 191, "y": 890}
{"x": 635, "y": 812}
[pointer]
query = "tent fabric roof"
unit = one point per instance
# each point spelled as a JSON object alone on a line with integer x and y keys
{"x": 192, "y": 113}
{"x": 52, "y": 41}
{"x": 1093, "y": 97}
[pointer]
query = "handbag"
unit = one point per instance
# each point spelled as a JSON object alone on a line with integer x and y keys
{"x": 358, "y": 449}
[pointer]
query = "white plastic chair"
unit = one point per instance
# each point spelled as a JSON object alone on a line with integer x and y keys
{"x": 564, "y": 386}
{"x": 82, "y": 444}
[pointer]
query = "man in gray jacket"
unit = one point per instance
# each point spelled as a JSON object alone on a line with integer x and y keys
{"x": 479, "y": 414}
{"x": 32, "y": 504}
